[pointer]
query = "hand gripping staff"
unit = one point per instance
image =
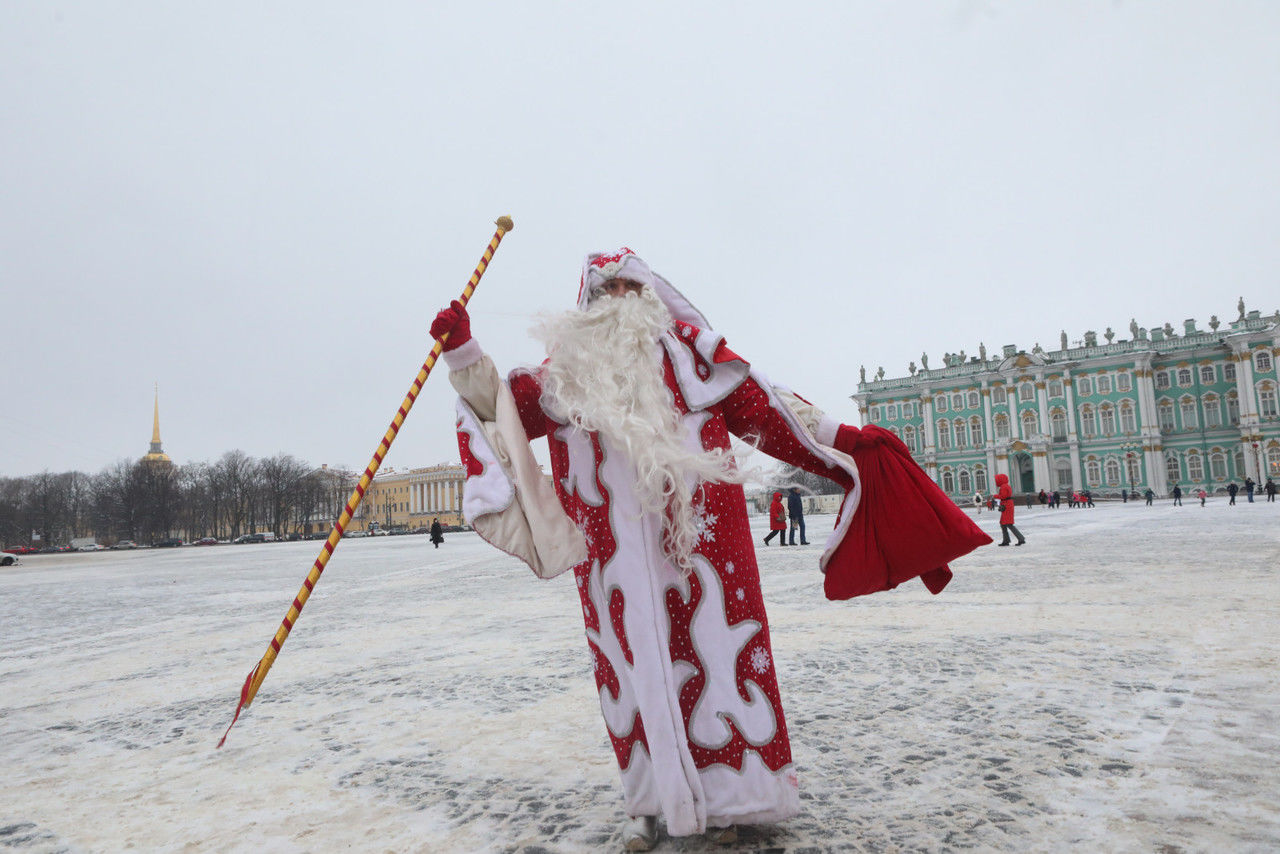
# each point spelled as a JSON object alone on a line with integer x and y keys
{"x": 259, "y": 672}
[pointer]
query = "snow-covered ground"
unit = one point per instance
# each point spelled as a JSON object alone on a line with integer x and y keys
{"x": 1110, "y": 686}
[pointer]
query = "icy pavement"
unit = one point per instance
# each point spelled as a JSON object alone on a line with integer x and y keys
{"x": 1110, "y": 686}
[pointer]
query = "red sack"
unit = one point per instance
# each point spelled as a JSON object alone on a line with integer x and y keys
{"x": 905, "y": 526}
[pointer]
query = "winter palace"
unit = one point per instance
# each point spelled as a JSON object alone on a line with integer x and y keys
{"x": 1163, "y": 408}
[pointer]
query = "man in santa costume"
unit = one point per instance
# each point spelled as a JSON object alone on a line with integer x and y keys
{"x": 637, "y": 399}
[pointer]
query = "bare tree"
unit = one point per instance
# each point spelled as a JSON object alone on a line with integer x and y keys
{"x": 282, "y": 484}
{"x": 233, "y": 480}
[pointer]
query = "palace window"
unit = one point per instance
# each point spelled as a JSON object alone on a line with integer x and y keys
{"x": 1123, "y": 381}
{"x": 966, "y": 482}
{"x": 1212, "y": 411}
{"x": 948, "y": 481}
{"x": 1239, "y": 457}
{"x": 1107, "y": 415}
{"x": 1273, "y": 459}
{"x": 1113, "y": 471}
{"x": 1229, "y": 372}
{"x": 1088, "y": 425}
{"x": 1002, "y": 426}
{"x": 962, "y": 435}
{"x": 1165, "y": 413}
{"x": 1262, "y": 361}
{"x": 1184, "y": 377}
{"x": 875, "y": 414}
{"x": 1171, "y": 468}
{"x": 998, "y": 394}
{"x": 1093, "y": 473}
{"x": 1207, "y": 375}
{"x": 1058, "y": 424}
{"x": 957, "y": 402}
{"x": 980, "y": 478}
{"x": 975, "y": 400}
{"x": 1162, "y": 379}
{"x": 891, "y": 411}
{"x": 1026, "y": 391}
{"x": 1134, "y": 469}
{"x": 1218, "y": 465}
{"x": 1030, "y": 423}
{"x": 1085, "y": 386}
{"x": 1055, "y": 388}
{"x": 1195, "y": 467}
{"x": 1267, "y": 402}
{"x": 940, "y": 403}
{"x": 1062, "y": 473}
{"x": 944, "y": 435}
{"x": 1127, "y": 422}
{"x": 1233, "y": 409}
{"x": 1189, "y": 419}
{"x": 909, "y": 438}
{"x": 1104, "y": 384}
{"x": 975, "y": 431}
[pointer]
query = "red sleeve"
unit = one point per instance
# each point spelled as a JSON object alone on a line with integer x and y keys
{"x": 526, "y": 388}
{"x": 749, "y": 416}
{"x": 905, "y": 525}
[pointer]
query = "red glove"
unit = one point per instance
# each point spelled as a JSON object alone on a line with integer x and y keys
{"x": 454, "y": 322}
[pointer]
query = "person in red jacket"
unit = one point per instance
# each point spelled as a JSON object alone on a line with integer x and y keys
{"x": 777, "y": 520}
{"x": 1006, "y": 511}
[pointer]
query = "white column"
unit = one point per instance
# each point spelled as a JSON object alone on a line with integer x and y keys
{"x": 1042, "y": 397}
{"x": 930, "y": 439}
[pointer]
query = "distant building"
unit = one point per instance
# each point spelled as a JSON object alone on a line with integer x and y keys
{"x": 156, "y": 457}
{"x": 1194, "y": 408}
{"x": 410, "y": 499}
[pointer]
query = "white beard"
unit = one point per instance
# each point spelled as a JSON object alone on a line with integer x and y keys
{"x": 604, "y": 374}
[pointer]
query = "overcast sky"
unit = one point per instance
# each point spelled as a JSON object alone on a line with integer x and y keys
{"x": 261, "y": 206}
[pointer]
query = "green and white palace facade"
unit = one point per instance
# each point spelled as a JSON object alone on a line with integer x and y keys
{"x": 1194, "y": 408}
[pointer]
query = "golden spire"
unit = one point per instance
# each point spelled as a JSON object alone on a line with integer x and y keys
{"x": 156, "y": 454}
{"x": 155, "y": 425}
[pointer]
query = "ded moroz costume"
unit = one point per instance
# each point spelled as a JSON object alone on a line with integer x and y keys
{"x": 675, "y": 620}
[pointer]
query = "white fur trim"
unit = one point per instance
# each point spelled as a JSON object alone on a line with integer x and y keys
{"x": 826, "y": 431}
{"x": 463, "y": 356}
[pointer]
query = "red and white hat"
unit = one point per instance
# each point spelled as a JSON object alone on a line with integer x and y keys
{"x": 600, "y": 267}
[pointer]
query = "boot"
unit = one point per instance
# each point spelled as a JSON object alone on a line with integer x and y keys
{"x": 640, "y": 833}
{"x": 722, "y": 835}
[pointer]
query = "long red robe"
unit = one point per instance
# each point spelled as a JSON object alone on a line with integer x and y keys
{"x": 683, "y": 665}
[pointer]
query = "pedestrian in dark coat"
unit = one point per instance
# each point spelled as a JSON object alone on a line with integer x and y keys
{"x": 1006, "y": 511}
{"x": 1149, "y": 495}
{"x": 1232, "y": 489}
{"x": 777, "y": 521}
{"x": 1248, "y": 488}
{"x": 795, "y": 509}
{"x": 437, "y": 533}
{"x": 1271, "y": 489}
{"x": 1177, "y": 495}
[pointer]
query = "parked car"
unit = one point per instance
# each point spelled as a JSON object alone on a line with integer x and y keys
{"x": 250, "y": 538}
{"x": 8, "y": 559}
{"x": 90, "y": 547}
{"x": 125, "y": 544}
{"x": 170, "y": 543}
{"x": 21, "y": 550}
{"x": 206, "y": 541}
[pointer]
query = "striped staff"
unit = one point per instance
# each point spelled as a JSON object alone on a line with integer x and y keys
{"x": 259, "y": 672}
